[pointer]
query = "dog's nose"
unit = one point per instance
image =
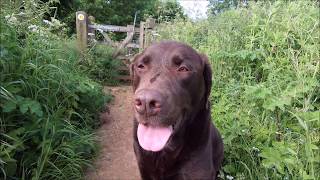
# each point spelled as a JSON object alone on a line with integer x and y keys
{"x": 148, "y": 102}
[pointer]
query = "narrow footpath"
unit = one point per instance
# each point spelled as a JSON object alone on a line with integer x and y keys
{"x": 116, "y": 160}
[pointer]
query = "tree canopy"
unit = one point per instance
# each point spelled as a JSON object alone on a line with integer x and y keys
{"x": 118, "y": 12}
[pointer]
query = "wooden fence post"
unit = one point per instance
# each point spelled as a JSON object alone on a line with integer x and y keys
{"x": 148, "y": 38}
{"x": 91, "y": 32}
{"x": 82, "y": 30}
{"x": 141, "y": 37}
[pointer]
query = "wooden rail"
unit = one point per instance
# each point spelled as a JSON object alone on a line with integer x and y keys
{"x": 112, "y": 28}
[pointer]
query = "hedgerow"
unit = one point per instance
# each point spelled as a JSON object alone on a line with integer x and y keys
{"x": 266, "y": 86}
{"x": 48, "y": 104}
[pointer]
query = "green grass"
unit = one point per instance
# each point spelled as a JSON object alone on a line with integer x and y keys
{"x": 101, "y": 66}
{"x": 49, "y": 103}
{"x": 266, "y": 80}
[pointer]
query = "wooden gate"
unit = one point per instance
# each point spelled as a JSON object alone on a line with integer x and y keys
{"x": 87, "y": 28}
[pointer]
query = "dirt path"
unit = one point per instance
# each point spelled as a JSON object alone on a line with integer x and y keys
{"x": 116, "y": 160}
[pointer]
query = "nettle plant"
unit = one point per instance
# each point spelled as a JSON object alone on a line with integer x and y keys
{"x": 266, "y": 86}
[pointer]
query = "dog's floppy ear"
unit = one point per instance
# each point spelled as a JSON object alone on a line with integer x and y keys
{"x": 134, "y": 80}
{"x": 207, "y": 75}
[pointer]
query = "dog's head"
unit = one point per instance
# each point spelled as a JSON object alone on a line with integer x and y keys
{"x": 170, "y": 81}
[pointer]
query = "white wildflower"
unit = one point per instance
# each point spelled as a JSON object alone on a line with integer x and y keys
{"x": 255, "y": 149}
{"x": 33, "y": 28}
{"x": 100, "y": 30}
{"x": 229, "y": 177}
{"x": 11, "y": 19}
{"x": 47, "y": 22}
{"x": 21, "y": 14}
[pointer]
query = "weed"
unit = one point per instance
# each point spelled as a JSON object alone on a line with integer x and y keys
{"x": 266, "y": 81}
{"x": 48, "y": 105}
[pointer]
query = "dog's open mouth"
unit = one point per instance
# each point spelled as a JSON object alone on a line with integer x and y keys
{"x": 153, "y": 138}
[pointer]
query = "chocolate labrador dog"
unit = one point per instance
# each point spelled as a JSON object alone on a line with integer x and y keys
{"x": 174, "y": 137}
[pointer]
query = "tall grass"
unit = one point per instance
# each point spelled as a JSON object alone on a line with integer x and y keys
{"x": 101, "y": 65}
{"x": 266, "y": 86}
{"x": 48, "y": 105}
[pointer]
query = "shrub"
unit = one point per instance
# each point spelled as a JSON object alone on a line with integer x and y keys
{"x": 48, "y": 106}
{"x": 101, "y": 66}
{"x": 266, "y": 81}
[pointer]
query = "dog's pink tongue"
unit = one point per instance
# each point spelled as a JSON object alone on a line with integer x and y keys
{"x": 153, "y": 138}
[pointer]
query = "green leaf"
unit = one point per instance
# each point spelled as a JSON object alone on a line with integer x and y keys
{"x": 9, "y": 106}
{"x": 307, "y": 176}
{"x": 291, "y": 151}
{"x": 229, "y": 168}
{"x": 35, "y": 108}
{"x": 13, "y": 89}
{"x": 20, "y": 99}
{"x": 314, "y": 147}
{"x": 290, "y": 161}
{"x": 273, "y": 102}
{"x": 10, "y": 167}
{"x": 24, "y": 107}
{"x": 257, "y": 92}
{"x": 16, "y": 132}
{"x": 309, "y": 116}
{"x": 301, "y": 122}
{"x": 273, "y": 158}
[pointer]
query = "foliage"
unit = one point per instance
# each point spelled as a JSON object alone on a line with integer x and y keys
{"x": 120, "y": 12}
{"x": 167, "y": 10}
{"x": 101, "y": 66}
{"x": 266, "y": 86}
{"x": 219, "y": 6}
{"x": 48, "y": 105}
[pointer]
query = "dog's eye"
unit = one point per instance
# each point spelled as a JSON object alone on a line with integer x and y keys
{"x": 141, "y": 66}
{"x": 183, "y": 69}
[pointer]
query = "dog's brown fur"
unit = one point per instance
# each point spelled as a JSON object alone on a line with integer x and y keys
{"x": 182, "y": 78}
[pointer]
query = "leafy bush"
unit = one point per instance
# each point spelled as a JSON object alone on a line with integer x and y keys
{"x": 266, "y": 86}
{"x": 101, "y": 66}
{"x": 48, "y": 106}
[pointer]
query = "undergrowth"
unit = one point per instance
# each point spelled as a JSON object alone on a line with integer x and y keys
{"x": 101, "y": 66}
{"x": 266, "y": 86}
{"x": 49, "y": 105}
